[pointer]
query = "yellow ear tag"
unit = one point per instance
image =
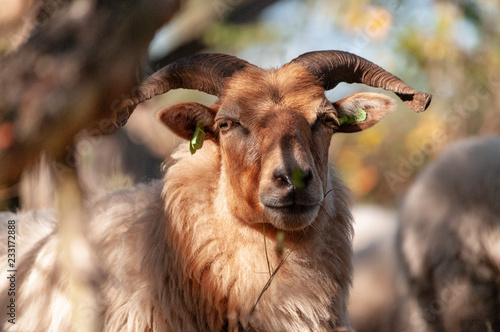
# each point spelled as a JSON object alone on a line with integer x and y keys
{"x": 196, "y": 142}
{"x": 359, "y": 116}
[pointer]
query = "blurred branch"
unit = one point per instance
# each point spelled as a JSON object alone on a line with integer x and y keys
{"x": 70, "y": 73}
{"x": 77, "y": 257}
{"x": 78, "y": 62}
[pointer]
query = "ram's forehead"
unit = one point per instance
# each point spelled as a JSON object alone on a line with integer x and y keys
{"x": 255, "y": 92}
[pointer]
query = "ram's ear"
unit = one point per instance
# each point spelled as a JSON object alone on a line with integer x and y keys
{"x": 360, "y": 111}
{"x": 184, "y": 119}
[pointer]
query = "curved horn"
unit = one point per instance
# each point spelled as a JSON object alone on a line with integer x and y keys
{"x": 333, "y": 67}
{"x": 203, "y": 72}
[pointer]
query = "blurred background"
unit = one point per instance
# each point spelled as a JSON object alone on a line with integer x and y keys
{"x": 450, "y": 49}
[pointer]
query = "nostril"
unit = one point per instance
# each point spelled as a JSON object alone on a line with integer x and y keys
{"x": 282, "y": 179}
{"x": 308, "y": 177}
{"x": 297, "y": 179}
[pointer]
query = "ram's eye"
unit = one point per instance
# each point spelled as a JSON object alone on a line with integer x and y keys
{"x": 330, "y": 120}
{"x": 225, "y": 125}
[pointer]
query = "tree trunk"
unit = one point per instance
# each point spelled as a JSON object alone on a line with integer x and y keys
{"x": 79, "y": 62}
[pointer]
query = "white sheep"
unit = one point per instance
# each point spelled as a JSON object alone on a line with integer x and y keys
{"x": 449, "y": 242}
{"x": 187, "y": 253}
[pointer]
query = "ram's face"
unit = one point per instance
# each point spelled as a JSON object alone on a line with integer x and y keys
{"x": 274, "y": 130}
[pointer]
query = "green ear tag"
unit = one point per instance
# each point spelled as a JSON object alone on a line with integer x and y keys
{"x": 196, "y": 142}
{"x": 358, "y": 117}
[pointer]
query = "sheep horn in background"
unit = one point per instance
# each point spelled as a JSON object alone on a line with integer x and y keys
{"x": 203, "y": 72}
{"x": 333, "y": 67}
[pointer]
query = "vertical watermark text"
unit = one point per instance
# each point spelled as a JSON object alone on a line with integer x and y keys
{"x": 11, "y": 271}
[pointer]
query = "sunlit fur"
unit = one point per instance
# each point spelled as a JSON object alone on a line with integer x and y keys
{"x": 182, "y": 262}
{"x": 187, "y": 253}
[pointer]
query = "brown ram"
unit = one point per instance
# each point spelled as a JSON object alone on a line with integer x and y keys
{"x": 187, "y": 253}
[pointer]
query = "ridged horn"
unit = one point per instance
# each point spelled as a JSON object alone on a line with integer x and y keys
{"x": 204, "y": 72}
{"x": 333, "y": 67}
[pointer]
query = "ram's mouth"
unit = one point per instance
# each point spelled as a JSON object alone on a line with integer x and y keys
{"x": 291, "y": 217}
{"x": 293, "y": 209}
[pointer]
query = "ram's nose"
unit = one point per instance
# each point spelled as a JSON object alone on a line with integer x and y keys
{"x": 289, "y": 187}
{"x": 291, "y": 198}
{"x": 292, "y": 180}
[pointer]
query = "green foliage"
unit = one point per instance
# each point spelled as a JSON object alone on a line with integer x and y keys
{"x": 298, "y": 177}
{"x": 448, "y": 49}
{"x": 236, "y": 37}
{"x": 280, "y": 242}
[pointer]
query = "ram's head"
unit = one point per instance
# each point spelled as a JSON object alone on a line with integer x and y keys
{"x": 273, "y": 127}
